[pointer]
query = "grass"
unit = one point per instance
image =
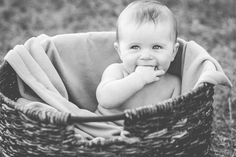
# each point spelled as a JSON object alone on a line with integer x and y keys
{"x": 211, "y": 23}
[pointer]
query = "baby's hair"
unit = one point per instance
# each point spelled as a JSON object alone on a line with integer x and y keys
{"x": 143, "y": 11}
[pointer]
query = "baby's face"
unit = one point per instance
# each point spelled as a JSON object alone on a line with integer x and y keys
{"x": 151, "y": 43}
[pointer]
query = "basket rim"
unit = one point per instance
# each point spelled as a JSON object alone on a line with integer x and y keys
{"x": 166, "y": 105}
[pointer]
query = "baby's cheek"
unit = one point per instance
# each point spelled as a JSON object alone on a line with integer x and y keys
{"x": 131, "y": 59}
{"x": 130, "y": 67}
{"x": 164, "y": 66}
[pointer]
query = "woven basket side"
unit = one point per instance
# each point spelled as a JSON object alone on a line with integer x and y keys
{"x": 179, "y": 126}
{"x": 20, "y": 134}
{"x": 40, "y": 133}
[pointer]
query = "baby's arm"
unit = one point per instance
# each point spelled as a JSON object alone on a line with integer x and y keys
{"x": 115, "y": 89}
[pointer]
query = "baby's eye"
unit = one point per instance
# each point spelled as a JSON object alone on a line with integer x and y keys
{"x": 135, "y": 47}
{"x": 156, "y": 47}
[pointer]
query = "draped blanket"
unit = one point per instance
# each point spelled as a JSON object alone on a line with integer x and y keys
{"x": 63, "y": 72}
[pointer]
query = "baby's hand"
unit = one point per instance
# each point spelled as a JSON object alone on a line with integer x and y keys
{"x": 148, "y": 74}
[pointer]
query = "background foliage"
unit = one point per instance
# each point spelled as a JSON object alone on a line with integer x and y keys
{"x": 211, "y": 23}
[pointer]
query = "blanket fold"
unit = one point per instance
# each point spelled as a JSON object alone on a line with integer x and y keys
{"x": 198, "y": 67}
{"x": 37, "y": 72}
{"x": 63, "y": 71}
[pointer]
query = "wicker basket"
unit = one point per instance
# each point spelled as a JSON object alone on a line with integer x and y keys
{"x": 177, "y": 127}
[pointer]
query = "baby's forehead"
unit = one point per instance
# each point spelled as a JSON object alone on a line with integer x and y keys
{"x": 148, "y": 26}
{"x": 134, "y": 33}
{"x": 163, "y": 27}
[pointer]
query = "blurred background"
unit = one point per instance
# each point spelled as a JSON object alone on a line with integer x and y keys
{"x": 211, "y": 23}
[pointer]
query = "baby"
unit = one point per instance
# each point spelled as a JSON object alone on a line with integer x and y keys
{"x": 147, "y": 44}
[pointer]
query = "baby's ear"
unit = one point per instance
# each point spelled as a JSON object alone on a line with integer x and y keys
{"x": 175, "y": 50}
{"x": 117, "y": 48}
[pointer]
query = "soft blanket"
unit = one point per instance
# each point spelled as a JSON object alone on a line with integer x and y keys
{"x": 46, "y": 77}
{"x": 198, "y": 67}
{"x": 63, "y": 71}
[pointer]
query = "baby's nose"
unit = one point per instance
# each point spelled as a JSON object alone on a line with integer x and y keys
{"x": 146, "y": 56}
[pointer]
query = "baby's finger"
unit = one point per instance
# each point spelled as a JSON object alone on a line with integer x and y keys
{"x": 156, "y": 78}
{"x": 159, "y": 72}
{"x": 160, "y": 67}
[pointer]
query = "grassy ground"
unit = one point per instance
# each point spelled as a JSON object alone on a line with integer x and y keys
{"x": 211, "y": 23}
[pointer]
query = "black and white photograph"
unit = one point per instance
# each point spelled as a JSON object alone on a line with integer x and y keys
{"x": 117, "y": 78}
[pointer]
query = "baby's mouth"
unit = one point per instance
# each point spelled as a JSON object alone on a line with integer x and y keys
{"x": 147, "y": 62}
{"x": 156, "y": 68}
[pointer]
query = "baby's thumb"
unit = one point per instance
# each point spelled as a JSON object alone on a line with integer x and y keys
{"x": 156, "y": 78}
{"x": 160, "y": 72}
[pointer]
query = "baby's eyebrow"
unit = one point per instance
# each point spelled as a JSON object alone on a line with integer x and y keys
{"x": 159, "y": 43}
{"x": 131, "y": 44}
